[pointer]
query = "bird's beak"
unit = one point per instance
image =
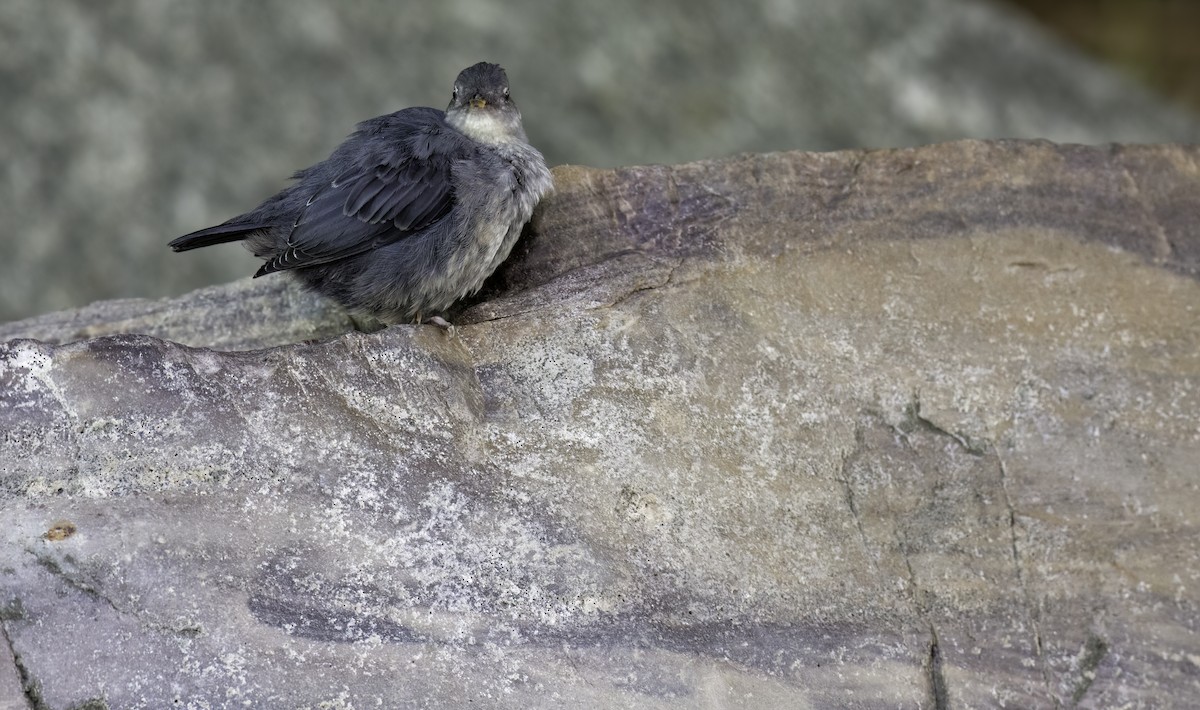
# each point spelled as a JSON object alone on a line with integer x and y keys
{"x": 477, "y": 102}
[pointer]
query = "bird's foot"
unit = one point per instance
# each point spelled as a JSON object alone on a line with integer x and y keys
{"x": 441, "y": 323}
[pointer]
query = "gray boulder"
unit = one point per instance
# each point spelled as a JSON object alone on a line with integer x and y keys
{"x": 865, "y": 429}
{"x": 127, "y": 124}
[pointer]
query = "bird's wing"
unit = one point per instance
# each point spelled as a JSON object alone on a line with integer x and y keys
{"x": 384, "y": 196}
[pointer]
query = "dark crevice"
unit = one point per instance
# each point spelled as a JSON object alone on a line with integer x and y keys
{"x": 53, "y": 567}
{"x": 917, "y": 421}
{"x": 502, "y": 316}
{"x": 647, "y": 287}
{"x": 938, "y": 690}
{"x": 29, "y": 688}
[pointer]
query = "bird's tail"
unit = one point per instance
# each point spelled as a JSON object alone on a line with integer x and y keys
{"x": 220, "y": 234}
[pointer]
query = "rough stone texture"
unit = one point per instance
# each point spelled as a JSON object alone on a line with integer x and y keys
{"x": 247, "y": 314}
{"x": 12, "y": 695}
{"x": 907, "y": 428}
{"x": 128, "y": 123}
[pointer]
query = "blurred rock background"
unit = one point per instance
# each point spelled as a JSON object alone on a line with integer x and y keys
{"x": 1153, "y": 41}
{"x": 125, "y": 124}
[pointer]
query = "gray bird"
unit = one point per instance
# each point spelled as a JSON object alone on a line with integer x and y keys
{"x": 411, "y": 213}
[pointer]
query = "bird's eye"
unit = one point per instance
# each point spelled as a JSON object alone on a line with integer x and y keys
{"x": 454, "y": 96}
{"x": 506, "y": 92}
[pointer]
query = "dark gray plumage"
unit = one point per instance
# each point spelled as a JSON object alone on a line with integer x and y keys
{"x": 411, "y": 213}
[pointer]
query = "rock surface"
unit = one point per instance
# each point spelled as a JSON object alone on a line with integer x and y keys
{"x": 125, "y": 125}
{"x": 905, "y": 428}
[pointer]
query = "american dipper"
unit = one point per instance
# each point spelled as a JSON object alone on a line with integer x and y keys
{"x": 411, "y": 213}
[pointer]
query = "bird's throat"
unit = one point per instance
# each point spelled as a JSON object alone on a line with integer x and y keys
{"x": 491, "y": 127}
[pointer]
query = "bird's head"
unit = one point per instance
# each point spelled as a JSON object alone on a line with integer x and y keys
{"x": 481, "y": 107}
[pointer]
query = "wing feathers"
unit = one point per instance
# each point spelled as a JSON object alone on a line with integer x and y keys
{"x": 361, "y": 194}
{"x": 399, "y": 189}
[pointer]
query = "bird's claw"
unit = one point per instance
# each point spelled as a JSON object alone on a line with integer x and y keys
{"x": 442, "y": 323}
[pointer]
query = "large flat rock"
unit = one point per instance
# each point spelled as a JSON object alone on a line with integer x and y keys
{"x": 911, "y": 428}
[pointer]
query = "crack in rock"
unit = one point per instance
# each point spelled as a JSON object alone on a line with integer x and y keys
{"x": 916, "y": 420}
{"x": 938, "y": 690}
{"x": 1031, "y": 609}
{"x": 646, "y": 287}
{"x": 54, "y": 568}
{"x": 848, "y": 490}
{"x": 30, "y": 688}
